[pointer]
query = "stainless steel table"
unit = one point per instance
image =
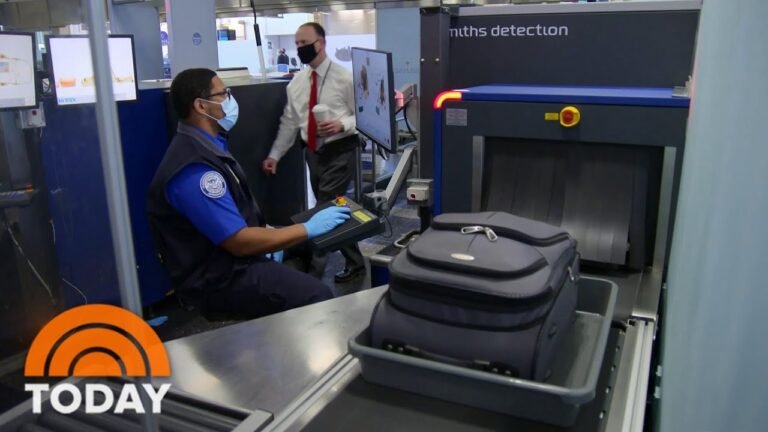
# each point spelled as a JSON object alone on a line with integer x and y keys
{"x": 295, "y": 365}
{"x": 267, "y": 363}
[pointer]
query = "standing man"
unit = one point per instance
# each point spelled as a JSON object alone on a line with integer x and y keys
{"x": 329, "y": 144}
{"x": 282, "y": 57}
{"x": 207, "y": 228}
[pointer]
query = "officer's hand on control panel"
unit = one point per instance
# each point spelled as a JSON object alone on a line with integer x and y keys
{"x": 329, "y": 128}
{"x": 326, "y": 220}
{"x": 269, "y": 166}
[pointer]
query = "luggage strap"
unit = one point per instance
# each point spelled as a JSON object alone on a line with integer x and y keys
{"x": 477, "y": 229}
{"x": 482, "y": 365}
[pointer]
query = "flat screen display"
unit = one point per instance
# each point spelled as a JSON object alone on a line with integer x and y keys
{"x": 72, "y": 69}
{"x": 374, "y": 96}
{"x": 17, "y": 71}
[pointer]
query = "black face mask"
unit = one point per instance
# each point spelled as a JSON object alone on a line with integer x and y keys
{"x": 307, "y": 53}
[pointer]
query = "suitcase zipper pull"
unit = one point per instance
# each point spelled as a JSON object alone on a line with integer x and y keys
{"x": 480, "y": 229}
{"x": 472, "y": 229}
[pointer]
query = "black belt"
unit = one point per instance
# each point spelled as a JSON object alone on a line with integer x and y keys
{"x": 341, "y": 145}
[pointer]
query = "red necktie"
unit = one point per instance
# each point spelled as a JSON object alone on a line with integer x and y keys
{"x": 311, "y": 124}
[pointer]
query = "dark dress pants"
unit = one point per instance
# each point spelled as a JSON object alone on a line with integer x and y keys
{"x": 330, "y": 172}
{"x": 264, "y": 288}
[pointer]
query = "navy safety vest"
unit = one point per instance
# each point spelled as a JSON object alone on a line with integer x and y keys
{"x": 194, "y": 263}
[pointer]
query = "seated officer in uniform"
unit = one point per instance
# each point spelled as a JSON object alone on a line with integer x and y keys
{"x": 205, "y": 222}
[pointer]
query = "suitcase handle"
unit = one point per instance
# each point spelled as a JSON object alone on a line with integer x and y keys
{"x": 406, "y": 239}
{"x": 483, "y": 365}
{"x": 477, "y": 229}
{"x": 542, "y": 235}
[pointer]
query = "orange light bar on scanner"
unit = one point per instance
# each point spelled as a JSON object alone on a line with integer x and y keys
{"x": 445, "y": 96}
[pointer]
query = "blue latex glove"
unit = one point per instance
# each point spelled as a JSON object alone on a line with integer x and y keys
{"x": 325, "y": 220}
{"x": 276, "y": 256}
{"x": 157, "y": 321}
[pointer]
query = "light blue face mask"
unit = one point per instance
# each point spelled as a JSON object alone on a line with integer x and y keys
{"x": 231, "y": 111}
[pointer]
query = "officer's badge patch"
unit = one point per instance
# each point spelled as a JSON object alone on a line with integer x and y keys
{"x": 213, "y": 185}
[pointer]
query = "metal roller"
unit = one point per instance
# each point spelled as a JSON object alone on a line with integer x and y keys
{"x": 108, "y": 422}
{"x": 188, "y": 413}
{"x": 64, "y": 423}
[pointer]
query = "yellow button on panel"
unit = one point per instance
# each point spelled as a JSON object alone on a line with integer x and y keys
{"x": 361, "y": 216}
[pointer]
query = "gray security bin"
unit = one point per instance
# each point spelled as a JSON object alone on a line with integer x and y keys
{"x": 557, "y": 402}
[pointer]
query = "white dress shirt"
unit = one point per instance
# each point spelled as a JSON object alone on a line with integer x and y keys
{"x": 334, "y": 89}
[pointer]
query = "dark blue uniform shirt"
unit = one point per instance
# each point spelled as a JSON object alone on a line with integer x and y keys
{"x": 200, "y": 193}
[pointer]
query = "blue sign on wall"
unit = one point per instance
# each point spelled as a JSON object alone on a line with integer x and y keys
{"x": 197, "y": 39}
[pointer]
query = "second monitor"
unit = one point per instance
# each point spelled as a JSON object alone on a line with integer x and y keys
{"x": 375, "y": 96}
{"x": 72, "y": 70}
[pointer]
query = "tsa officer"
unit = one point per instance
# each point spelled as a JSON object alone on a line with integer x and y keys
{"x": 210, "y": 234}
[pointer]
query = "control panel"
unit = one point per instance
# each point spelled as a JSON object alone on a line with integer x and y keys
{"x": 361, "y": 225}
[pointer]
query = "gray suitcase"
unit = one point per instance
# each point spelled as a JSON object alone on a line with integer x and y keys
{"x": 489, "y": 291}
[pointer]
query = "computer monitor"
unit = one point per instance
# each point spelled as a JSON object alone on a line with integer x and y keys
{"x": 375, "y": 96}
{"x": 17, "y": 71}
{"x": 72, "y": 71}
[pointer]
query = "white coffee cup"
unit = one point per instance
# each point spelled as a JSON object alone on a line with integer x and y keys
{"x": 321, "y": 112}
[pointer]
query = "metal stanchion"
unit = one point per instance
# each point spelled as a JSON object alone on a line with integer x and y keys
{"x": 114, "y": 175}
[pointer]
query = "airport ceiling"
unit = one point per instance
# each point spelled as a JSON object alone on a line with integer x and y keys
{"x": 40, "y": 15}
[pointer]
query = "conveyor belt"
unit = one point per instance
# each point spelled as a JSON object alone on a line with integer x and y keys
{"x": 287, "y": 364}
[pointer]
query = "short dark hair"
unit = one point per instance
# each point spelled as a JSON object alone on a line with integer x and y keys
{"x": 189, "y": 85}
{"x": 318, "y": 28}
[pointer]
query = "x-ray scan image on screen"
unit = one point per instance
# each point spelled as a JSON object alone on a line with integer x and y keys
{"x": 72, "y": 70}
{"x": 375, "y": 96}
{"x": 17, "y": 71}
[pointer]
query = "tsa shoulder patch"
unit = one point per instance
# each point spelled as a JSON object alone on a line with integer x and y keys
{"x": 213, "y": 185}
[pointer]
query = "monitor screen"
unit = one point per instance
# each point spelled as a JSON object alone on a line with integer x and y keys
{"x": 375, "y": 96}
{"x": 17, "y": 71}
{"x": 72, "y": 70}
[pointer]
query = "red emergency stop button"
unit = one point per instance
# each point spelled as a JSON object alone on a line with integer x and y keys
{"x": 569, "y": 116}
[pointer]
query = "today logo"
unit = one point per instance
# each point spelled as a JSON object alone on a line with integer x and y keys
{"x": 97, "y": 341}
